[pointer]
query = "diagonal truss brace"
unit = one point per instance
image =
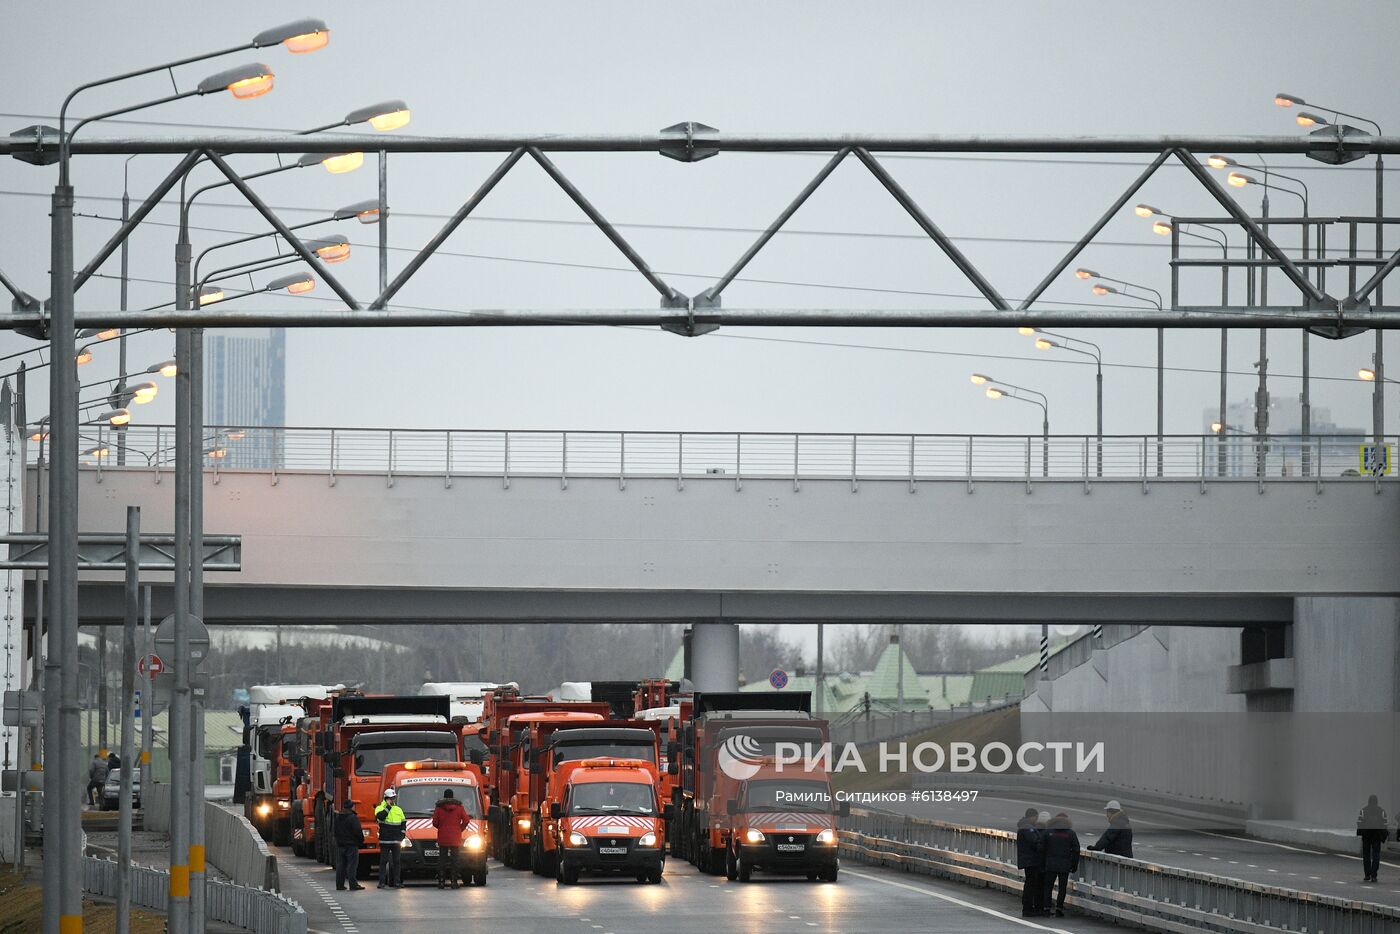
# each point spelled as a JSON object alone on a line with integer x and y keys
{"x": 1093, "y": 231}
{"x": 929, "y": 227}
{"x": 99, "y": 551}
{"x": 307, "y": 256}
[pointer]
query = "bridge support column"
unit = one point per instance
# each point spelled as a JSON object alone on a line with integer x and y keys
{"x": 714, "y": 656}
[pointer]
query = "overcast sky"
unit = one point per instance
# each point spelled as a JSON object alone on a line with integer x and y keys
{"x": 997, "y": 68}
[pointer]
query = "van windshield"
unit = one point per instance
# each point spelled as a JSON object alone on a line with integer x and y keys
{"x": 420, "y": 800}
{"x": 613, "y": 798}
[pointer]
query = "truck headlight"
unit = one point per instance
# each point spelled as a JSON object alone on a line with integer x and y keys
{"x": 264, "y": 810}
{"x": 474, "y": 842}
{"x": 648, "y": 839}
{"x": 577, "y": 839}
{"x": 284, "y": 805}
{"x": 405, "y": 844}
{"x": 754, "y": 836}
{"x": 827, "y": 836}
{"x": 523, "y": 823}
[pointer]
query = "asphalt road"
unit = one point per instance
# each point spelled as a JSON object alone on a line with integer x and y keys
{"x": 1154, "y": 840}
{"x": 864, "y": 900}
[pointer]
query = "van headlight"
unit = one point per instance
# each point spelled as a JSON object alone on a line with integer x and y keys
{"x": 648, "y": 839}
{"x": 827, "y": 836}
{"x": 405, "y": 844}
{"x": 474, "y": 842}
{"x": 577, "y": 839}
{"x": 754, "y": 836}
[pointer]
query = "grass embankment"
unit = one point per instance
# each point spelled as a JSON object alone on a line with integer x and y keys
{"x": 23, "y": 909}
{"x": 997, "y": 726}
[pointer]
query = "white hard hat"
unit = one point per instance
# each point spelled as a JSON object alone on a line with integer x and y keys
{"x": 390, "y": 793}
{"x": 1044, "y": 817}
{"x": 1113, "y": 806}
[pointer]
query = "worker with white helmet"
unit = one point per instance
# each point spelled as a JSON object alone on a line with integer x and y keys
{"x": 1118, "y": 838}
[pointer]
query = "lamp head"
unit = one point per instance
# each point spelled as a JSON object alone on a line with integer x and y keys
{"x": 1044, "y": 343}
{"x": 1146, "y": 210}
{"x": 243, "y": 82}
{"x": 1216, "y": 427}
{"x": 979, "y": 378}
{"x": 1366, "y": 373}
{"x": 303, "y": 35}
{"x": 1219, "y": 162}
{"x": 117, "y": 416}
{"x": 1288, "y": 100}
{"x": 1026, "y": 330}
{"x": 84, "y": 356}
{"x": 332, "y": 250}
{"x": 385, "y": 116}
{"x": 296, "y": 283}
{"x": 1239, "y": 179}
{"x": 1162, "y": 227}
{"x": 366, "y": 211}
{"x": 142, "y": 393}
{"x": 210, "y": 294}
{"x": 1307, "y": 120}
{"x": 994, "y": 393}
{"x": 1101, "y": 289}
{"x": 336, "y": 163}
{"x": 1082, "y": 273}
{"x": 164, "y": 368}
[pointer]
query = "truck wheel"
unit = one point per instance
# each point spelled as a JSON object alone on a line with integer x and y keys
{"x": 654, "y": 877}
{"x": 536, "y": 852}
{"x": 569, "y": 875}
{"x": 829, "y": 875}
{"x": 479, "y": 878}
{"x": 282, "y": 833}
{"x": 716, "y": 860}
{"x": 548, "y": 860}
{"x": 731, "y": 867}
{"x": 745, "y": 870}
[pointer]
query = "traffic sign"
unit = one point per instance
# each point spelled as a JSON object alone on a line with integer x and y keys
{"x": 164, "y": 685}
{"x": 199, "y": 638}
{"x": 149, "y": 666}
{"x": 1376, "y": 460}
{"x": 778, "y": 678}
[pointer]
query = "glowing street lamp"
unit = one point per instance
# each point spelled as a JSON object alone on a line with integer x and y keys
{"x": 979, "y": 379}
{"x": 84, "y": 356}
{"x": 210, "y": 294}
{"x": 164, "y": 368}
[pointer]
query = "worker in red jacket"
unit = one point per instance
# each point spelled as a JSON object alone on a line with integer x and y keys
{"x": 450, "y": 819}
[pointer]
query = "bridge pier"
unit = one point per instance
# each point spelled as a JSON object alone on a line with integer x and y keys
{"x": 714, "y": 656}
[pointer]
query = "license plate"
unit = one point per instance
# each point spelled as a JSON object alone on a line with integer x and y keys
{"x": 613, "y": 850}
{"x": 791, "y": 847}
{"x": 430, "y": 852}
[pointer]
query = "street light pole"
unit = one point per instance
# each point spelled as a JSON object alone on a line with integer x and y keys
{"x": 132, "y": 593}
{"x": 1046, "y": 343}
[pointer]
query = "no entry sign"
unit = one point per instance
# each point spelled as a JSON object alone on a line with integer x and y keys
{"x": 150, "y": 666}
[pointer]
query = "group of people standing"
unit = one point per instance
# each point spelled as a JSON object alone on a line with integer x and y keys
{"x": 102, "y": 764}
{"x": 449, "y": 818}
{"x": 1047, "y": 851}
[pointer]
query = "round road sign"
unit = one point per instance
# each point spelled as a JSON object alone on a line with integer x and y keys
{"x": 778, "y": 678}
{"x": 150, "y": 666}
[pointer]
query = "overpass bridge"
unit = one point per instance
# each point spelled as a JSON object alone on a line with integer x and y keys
{"x": 377, "y": 525}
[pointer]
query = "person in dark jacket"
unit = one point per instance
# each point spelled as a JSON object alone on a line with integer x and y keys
{"x": 392, "y": 826}
{"x": 1061, "y": 859}
{"x": 349, "y": 837}
{"x": 450, "y": 819}
{"x": 1030, "y": 859}
{"x": 1118, "y": 838}
{"x": 1373, "y": 827}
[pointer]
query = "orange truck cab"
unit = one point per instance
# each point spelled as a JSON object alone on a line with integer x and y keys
{"x": 783, "y": 821}
{"x": 513, "y": 818}
{"x": 551, "y": 746}
{"x": 610, "y": 820}
{"x": 419, "y": 786}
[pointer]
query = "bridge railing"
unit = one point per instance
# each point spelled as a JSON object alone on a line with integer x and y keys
{"x": 737, "y": 456}
{"x": 1126, "y": 890}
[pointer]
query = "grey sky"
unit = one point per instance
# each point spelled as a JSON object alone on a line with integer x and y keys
{"x": 822, "y": 67}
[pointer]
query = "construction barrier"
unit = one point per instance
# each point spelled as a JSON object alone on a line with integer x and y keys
{"x": 241, "y": 906}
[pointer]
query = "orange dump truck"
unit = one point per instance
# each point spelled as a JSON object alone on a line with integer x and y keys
{"x": 783, "y": 821}
{"x": 550, "y": 746}
{"x": 508, "y": 779}
{"x": 419, "y": 786}
{"x": 610, "y": 820}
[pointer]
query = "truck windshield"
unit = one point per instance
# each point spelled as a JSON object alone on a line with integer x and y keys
{"x": 787, "y": 795}
{"x": 419, "y": 800}
{"x": 473, "y": 742}
{"x": 372, "y": 759}
{"x": 605, "y": 750}
{"x": 613, "y": 798}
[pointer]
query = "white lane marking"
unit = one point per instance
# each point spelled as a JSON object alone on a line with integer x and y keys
{"x": 958, "y": 901}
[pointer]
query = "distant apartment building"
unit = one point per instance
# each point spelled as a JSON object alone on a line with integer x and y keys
{"x": 1329, "y": 449}
{"x": 245, "y": 387}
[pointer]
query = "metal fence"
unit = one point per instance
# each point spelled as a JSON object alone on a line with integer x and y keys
{"x": 248, "y": 908}
{"x": 737, "y": 456}
{"x": 1125, "y": 890}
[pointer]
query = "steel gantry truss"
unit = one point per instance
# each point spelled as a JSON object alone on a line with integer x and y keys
{"x": 57, "y": 320}
{"x": 1315, "y": 309}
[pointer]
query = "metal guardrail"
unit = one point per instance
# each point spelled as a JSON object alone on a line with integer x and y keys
{"x": 249, "y": 908}
{"x": 1154, "y": 896}
{"x": 739, "y": 456}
